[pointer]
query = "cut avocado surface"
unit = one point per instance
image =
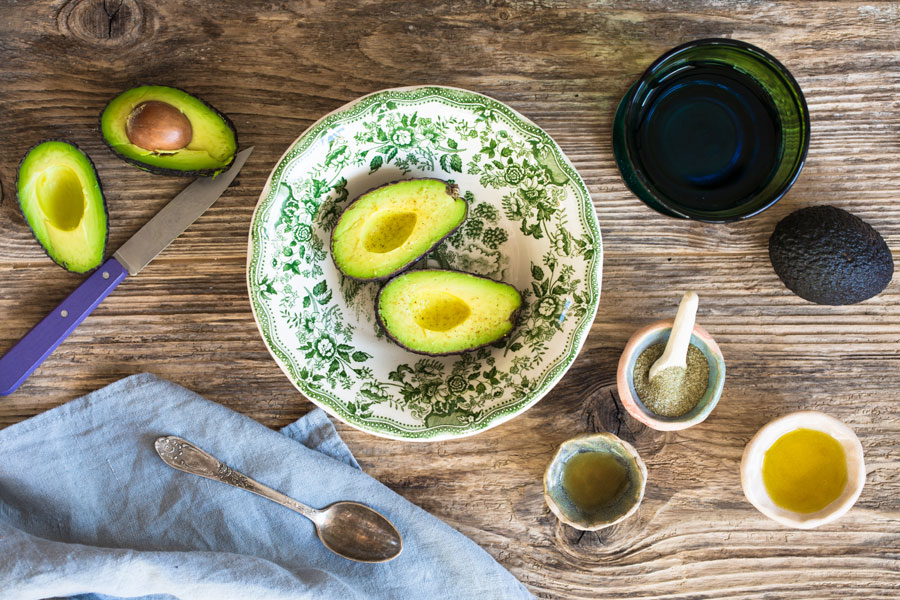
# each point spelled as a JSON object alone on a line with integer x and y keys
{"x": 829, "y": 256}
{"x": 446, "y": 312}
{"x": 61, "y": 199}
{"x": 167, "y": 131}
{"x": 389, "y": 228}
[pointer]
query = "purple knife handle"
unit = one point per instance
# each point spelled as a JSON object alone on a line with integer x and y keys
{"x": 23, "y": 358}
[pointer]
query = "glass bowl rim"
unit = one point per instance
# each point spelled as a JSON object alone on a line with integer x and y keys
{"x": 771, "y": 62}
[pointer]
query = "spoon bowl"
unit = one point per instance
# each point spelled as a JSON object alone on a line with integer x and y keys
{"x": 675, "y": 354}
{"x": 357, "y": 532}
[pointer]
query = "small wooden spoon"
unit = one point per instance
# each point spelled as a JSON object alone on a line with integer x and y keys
{"x": 675, "y": 354}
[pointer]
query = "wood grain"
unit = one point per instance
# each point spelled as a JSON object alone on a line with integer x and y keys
{"x": 275, "y": 67}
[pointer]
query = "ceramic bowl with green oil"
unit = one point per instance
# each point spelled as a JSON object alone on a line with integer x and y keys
{"x": 715, "y": 130}
{"x": 595, "y": 480}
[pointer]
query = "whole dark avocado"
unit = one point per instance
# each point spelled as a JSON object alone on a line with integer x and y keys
{"x": 826, "y": 255}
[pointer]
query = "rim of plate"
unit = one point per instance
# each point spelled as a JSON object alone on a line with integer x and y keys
{"x": 594, "y": 274}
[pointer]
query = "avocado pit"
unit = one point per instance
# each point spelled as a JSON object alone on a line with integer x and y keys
{"x": 158, "y": 126}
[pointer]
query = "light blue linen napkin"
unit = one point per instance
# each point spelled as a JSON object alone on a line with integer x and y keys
{"x": 88, "y": 509}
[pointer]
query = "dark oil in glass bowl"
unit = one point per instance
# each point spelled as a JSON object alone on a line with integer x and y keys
{"x": 708, "y": 135}
{"x": 715, "y": 130}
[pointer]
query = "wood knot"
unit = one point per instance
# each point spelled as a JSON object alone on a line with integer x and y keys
{"x": 110, "y": 23}
{"x": 613, "y": 543}
{"x": 602, "y": 410}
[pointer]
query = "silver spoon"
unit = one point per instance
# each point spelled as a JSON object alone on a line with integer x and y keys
{"x": 348, "y": 529}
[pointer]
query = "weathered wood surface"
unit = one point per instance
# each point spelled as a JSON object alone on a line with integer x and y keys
{"x": 275, "y": 67}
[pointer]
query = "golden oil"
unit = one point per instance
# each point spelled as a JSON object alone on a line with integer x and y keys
{"x": 805, "y": 470}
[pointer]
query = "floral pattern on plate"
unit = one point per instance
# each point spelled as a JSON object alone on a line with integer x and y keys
{"x": 531, "y": 223}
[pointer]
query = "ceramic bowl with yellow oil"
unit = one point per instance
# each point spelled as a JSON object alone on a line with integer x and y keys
{"x": 804, "y": 469}
{"x": 658, "y": 333}
{"x": 595, "y": 480}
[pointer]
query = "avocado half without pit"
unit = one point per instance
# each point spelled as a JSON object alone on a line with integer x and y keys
{"x": 61, "y": 199}
{"x": 438, "y": 312}
{"x": 389, "y": 228}
{"x": 168, "y": 131}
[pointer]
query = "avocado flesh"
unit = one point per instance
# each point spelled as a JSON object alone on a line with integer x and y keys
{"x": 61, "y": 199}
{"x": 389, "y": 228}
{"x": 827, "y": 255}
{"x": 446, "y": 312}
{"x": 213, "y": 142}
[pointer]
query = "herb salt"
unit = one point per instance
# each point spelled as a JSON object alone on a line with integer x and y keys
{"x": 674, "y": 391}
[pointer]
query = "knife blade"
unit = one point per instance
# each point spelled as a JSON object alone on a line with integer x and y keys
{"x": 175, "y": 217}
{"x": 151, "y": 239}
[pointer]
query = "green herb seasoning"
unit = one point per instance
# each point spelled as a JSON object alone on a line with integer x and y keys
{"x": 674, "y": 391}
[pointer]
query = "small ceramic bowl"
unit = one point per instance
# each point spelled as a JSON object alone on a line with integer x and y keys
{"x": 754, "y": 453}
{"x": 657, "y": 333}
{"x": 626, "y": 504}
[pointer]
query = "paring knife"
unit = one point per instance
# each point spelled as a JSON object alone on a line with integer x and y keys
{"x": 176, "y": 216}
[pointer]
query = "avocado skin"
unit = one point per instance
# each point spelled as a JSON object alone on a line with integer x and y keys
{"x": 99, "y": 185}
{"x": 163, "y": 170}
{"x": 452, "y": 190}
{"x": 827, "y": 255}
{"x": 514, "y": 318}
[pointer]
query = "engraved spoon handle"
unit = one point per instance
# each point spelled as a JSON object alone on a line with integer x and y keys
{"x": 182, "y": 455}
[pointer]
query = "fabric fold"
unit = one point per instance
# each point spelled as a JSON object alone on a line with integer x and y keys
{"x": 88, "y": 509}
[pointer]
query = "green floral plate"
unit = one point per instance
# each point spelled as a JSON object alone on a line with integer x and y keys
{"x": 531, "y": 223}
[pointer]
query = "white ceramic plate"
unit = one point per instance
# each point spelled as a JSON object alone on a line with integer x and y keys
{"x": 531, "y": 223}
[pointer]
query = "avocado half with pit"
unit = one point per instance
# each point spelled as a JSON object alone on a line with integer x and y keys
{"x": 438, "y": 312}
{"x": 389, "y": 228}
{"x": 167, "y": 131}
{"x": 61, "y": 199}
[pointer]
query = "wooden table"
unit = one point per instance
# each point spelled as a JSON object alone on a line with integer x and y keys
{"x": 275, "y": 67}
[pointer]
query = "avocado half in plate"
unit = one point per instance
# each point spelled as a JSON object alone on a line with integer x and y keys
{"x": 389, "y": 228}
{"x": 168, "y": 131}
{"x": 440, "y": 312}
{"x": 318, "y": 323}
{"x": 60, "y": 196}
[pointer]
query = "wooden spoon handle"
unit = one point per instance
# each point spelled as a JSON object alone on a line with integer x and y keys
{"x": 675, "y": 354}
